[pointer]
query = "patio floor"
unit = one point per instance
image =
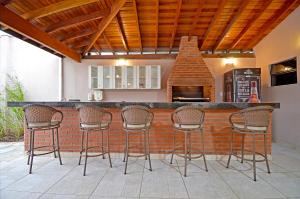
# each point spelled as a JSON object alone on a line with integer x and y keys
{"x": 50, "y": 180}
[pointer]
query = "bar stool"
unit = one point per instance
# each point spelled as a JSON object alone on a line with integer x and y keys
{"x": 137, "y": 118}
{"x": 251, "y": 121}
{"x": 41, "y": 118}
{"x": 94, "y": 119}
{"x": 188, "y": 119}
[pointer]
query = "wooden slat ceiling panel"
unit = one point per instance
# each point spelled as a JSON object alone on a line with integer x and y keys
{"x": 150, "y": 25}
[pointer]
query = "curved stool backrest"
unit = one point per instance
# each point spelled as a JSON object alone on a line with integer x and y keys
{"x": 90, "y": 114}
{"x": 188, "y": 115}
{"x": 137, "y": 115}
{"x": 38, "y": 113}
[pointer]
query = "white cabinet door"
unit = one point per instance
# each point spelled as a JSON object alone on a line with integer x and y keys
{"x": 141, "y": 77}
{"x": 107, "y": 77}
{"x": 130, "y": 77}
{"x": 118, "y": 77}
{"x": 95, "y": 77}
{"x": 155, "y": 77}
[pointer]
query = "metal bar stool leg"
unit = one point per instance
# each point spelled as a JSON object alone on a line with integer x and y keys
{"x": 145, "y": 145}
{"x": 185, "y": 152}
{"x": 31, "y": 150}
{"x": 86, "y": 151}
{"x": 254, "y": 161}
{"x": 126, "y": 152}
{"x": 230, "y": 146}
{"x": 82, "y": 139}
{"x": 108, "y": 149}
{"x": 58, "y": 149}
{"x": 189, "y": 147}
{"x": 173, "y": 150}
{"x": 266, "y": 155}
{"x": 148, "y": 150}
{"x": 203, "y": 151}
{"x": 53, "y": 144}
{"x": 243, "y": 146}
{"x": 102, "y": 146}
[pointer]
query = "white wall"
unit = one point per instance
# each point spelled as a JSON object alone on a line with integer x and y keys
{"x": 76, "y": 79}
{"x": 282, "y": 43}
{"x": 37, "y": 69}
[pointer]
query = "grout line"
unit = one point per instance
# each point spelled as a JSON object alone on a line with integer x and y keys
{"x": 19, "y": 179}
{"x": 216, "y": 171}
{"x": 58, "y": 180}
{"x": 271, "y": 185}
{"x": 140, "y": 192}
{"x": 97, "y": 184}
{"x": 182, "y": 179}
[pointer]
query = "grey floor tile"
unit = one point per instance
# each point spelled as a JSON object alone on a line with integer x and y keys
{"x": 6, "y": 194}
{"x": 202, "y": 184}
{"x": 243, "y": 185}
{"x": 116, "y": 184}
{"x": 59, "y": 196}
{"x": 77, "y": 184}
{"x": 163, "y": 182}
{"x": 287, "y": 162}
{"x": 43, "y": 178}
{"x": 286, "y": 183}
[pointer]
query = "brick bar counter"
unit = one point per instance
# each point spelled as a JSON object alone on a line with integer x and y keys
{"x": 216, "y": 127}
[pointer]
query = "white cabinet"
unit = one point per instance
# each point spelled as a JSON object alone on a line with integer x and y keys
{"x": 125, "y": 77}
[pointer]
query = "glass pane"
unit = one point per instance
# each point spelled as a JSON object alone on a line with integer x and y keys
{"x": 118, "y": 77}
{"x": 130, "y": 77}
{"x": 94, "y": 82}
{"x": 94, "y": 72}
{"x": 142, "y": 77}
{"x": 154, "y": 77}
{"x": 106, "y": 77}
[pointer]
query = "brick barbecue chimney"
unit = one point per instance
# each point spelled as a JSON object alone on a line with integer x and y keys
{"x": 190, "y": 70}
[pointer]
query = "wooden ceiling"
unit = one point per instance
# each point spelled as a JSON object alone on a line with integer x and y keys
{"x": 148, "y": 25}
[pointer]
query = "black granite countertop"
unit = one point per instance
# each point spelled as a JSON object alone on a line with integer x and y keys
{"x": 167, "y": 105}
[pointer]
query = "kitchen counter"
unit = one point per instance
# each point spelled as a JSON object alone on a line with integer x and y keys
{"x": 167, "y": 105}
{"x": 216, "y": 127}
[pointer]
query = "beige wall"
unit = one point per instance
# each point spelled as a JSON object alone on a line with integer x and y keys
{"x": 282, "y": 43}
{"x": 76, "y": 79}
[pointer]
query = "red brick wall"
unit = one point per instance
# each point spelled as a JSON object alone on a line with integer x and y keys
{"x": 190, "y": 69}
{"x": 216, "y": 133}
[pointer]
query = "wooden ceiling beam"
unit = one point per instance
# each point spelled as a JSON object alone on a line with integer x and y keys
{"x": 231, "y": 23}
{"x": 108, "y": 42}
{"x": 55, "y": 8}
{"x": 196, "y": 18}
{"x": 78, "y": 34}
{"x": 213, "y": 21}
{"x": 273, "y": 21}
{"x": 121, "y": 31}
{"x": 23, "y": 27}
{"x": 137, "y": 24}
{"x": 168, "y": 56}
{"x": 250, "y": 24}
{"x": 156, "y": 24}
{"x": 117, "y": 5}
{"x": 178, "y": 9}
{"x": 5, "y": 2}
{"x": 76, "y": 20}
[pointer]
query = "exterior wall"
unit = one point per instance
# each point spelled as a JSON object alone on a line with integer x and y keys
{"x": 75, "y": 77}
{"x": 282, "y": 43}
{"x": 216, "y": 134}
{"x": 37, "y": 70}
